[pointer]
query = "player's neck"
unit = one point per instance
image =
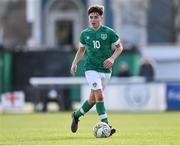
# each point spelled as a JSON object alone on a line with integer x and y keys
{"x": 96, "y": 29}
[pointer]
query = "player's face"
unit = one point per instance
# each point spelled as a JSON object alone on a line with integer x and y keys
{"x": 95, "y": 20}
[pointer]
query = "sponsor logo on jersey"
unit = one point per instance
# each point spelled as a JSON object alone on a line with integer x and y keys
{"x": 104, "y": 36}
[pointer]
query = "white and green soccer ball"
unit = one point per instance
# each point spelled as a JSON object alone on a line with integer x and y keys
{"x": 101, "y": 130}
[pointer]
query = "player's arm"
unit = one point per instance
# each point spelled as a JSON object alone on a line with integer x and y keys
{"x": 78, "y": 57}
{"x": 110, "y": 61}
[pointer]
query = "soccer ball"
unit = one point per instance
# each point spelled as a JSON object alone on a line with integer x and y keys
{"x": 101, "y": 130}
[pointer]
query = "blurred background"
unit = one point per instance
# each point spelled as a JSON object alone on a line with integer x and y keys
{"x": 39, "y": 38}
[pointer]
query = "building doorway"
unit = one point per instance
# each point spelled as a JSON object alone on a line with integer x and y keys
{"x": 63, "y": 24}
{"x": 64, "y": 34}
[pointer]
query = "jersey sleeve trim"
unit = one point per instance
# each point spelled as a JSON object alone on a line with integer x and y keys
{"x": 117, "y": 42}
{"x": 81, "y": 45}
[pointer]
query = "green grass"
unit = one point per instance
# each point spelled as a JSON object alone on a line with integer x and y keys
{"x": 54, "y": 128}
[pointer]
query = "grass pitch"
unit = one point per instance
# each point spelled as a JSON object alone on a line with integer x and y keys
{"x": 54, "y": 129}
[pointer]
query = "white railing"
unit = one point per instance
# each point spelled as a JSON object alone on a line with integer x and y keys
{"x": 38, "y": 81}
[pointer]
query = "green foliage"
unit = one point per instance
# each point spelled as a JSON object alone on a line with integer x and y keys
{"x": 54, "y": 128}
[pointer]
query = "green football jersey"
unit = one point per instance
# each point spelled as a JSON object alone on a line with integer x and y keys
{"x": 98, "y": 47}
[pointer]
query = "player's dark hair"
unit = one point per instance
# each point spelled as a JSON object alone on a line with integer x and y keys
{"x": 96, "y": 9}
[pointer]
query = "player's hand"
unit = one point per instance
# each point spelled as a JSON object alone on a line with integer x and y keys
{"x": 73, "y": 69}
{"x": 108, "y": 63}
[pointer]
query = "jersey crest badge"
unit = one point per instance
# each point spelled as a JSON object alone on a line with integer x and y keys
{"x": 94, "y": 85}
{"x": 104, "y": 36}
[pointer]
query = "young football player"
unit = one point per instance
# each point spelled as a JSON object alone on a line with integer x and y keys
{"x": 97, "y": 41}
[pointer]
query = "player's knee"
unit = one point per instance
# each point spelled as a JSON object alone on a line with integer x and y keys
{"x": 99, "y": 95}
{"x": 100, "y": 98}
{"x": 92, "y": 101}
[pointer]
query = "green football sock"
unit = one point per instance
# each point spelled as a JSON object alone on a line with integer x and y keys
{"x": 84, "y": 109}
{"x": 101, "y": 112}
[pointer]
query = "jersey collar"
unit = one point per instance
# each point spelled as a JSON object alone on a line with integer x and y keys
{"x": 96, "y": 30}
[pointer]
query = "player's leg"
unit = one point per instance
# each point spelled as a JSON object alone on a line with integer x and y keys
{"x": 87, "y": 105}
{"x": 100, "y": 108}
{"x": 102, "y": 80}
{"x": 105, "y": 78}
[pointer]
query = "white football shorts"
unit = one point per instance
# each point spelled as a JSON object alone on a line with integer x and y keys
{"x": 97, "y": 80}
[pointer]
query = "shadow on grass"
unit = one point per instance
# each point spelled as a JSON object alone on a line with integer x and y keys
{"x": 58, "y": 138}
{"x": 84, "y": 137}
{"x": 75, "y": 137}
